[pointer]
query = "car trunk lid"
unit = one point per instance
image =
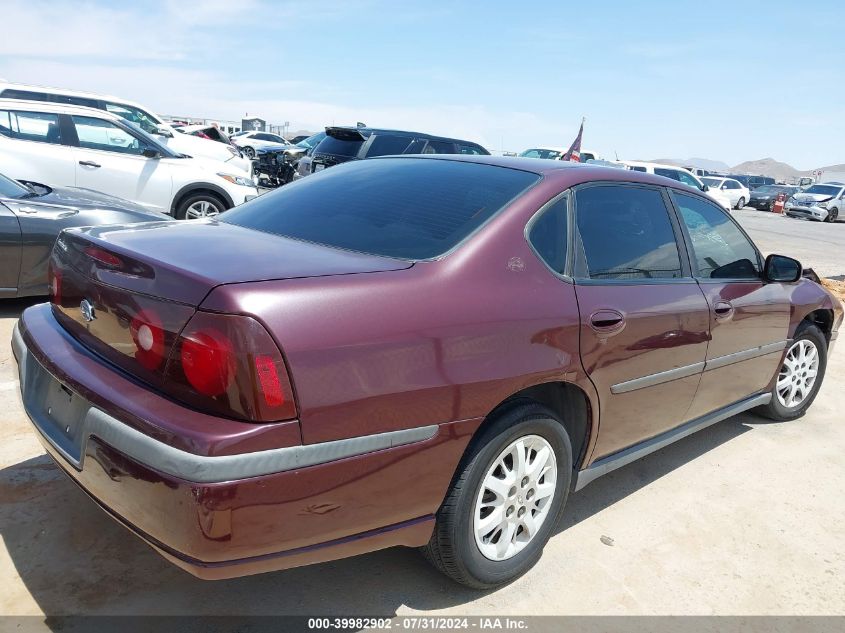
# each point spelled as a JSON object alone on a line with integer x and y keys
{"x": 108, "y": 282}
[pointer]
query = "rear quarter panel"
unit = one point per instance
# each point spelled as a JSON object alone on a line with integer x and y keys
{"x": 442, "y": 341}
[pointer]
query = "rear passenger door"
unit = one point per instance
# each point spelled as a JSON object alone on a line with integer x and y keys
{"x": 36, "y": 149}
{"x": 644, "y": 321}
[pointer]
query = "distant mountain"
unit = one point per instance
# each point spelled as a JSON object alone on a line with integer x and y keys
{"x": 703, "y": 163}
{"x": 769, "y": 167}
{"x": 760, "y": 167}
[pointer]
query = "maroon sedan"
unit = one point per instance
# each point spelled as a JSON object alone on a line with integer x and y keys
{"x": 420, "y": 351}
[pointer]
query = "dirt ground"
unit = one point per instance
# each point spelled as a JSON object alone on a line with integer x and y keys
{"x": 746, "y": 517}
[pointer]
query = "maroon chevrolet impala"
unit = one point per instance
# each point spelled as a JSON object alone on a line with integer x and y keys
{"x": 422, "y": 351}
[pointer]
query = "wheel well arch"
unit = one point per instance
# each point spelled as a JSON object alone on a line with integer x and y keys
{"x": 823, "y": 319}
{"x": 206, "y": 188}
{"x": 569, "y": 404}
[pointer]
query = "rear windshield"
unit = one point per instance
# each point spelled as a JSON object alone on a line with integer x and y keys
{"x": 338, "y": 147}
{"x": 396, "y": 207}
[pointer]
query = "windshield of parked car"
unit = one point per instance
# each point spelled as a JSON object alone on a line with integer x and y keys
{"x": 827, "y": 190}
{"x": 767, "y": 189}
{"x": 712, "y": 182}
{"x": 134, "y": 115}
{"x": 12, "y": 189}
{"x": 541, "y": 153}
{"x": 409, "y": 208}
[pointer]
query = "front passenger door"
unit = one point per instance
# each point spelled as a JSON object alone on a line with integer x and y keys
{"x": 111, "y": 160}
{"x": 644, "y": 321}
{"x": 749, "y": 318}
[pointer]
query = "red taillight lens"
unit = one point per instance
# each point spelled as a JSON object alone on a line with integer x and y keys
{"x": 229, "y": 365}
{"x": 148, "y": 336}
{"x": 208, "y": 361}
{"x": 103, "y": 256}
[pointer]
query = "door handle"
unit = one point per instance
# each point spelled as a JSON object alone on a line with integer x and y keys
{"x": 89, "y": 163}
{"x": 723, "y": 309}
{"x": 607, "y": 321}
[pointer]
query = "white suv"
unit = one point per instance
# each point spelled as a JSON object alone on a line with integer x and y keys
{"x": 73, "y": 146}
{"x": 134, "y": 113}
{"x": 681, "y": 175}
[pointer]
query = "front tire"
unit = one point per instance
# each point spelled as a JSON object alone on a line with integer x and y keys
{"x": 800, "y": 376}
{"x": 505, "y": 500}
{"x": 199, "y": 205}
{"x": 740, "y": 204}
{"x": 249, "y": 152}
{"x": 832, "y": 214}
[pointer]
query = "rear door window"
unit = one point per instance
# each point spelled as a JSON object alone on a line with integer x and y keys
{"x": 626, "y": 233}
{"x": 42, "y": 127}
{"x": 386, "y": 145}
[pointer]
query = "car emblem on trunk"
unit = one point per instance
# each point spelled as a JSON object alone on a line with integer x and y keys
{"x": 87, "y": 309}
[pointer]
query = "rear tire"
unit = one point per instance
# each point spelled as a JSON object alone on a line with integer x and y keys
{"x": 740, "y": 203}
{"x": 473, "y": 516}
{"x": 791, "y": 395}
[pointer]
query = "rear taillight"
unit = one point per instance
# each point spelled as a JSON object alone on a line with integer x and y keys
{"x": 103, "y": 256}
{"x": 229, "y": 365}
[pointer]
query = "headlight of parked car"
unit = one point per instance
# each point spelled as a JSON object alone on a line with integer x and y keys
{"x": 237, "y": 180}
{"x": 233, "y": 151}
{"x": 823, "y": 204}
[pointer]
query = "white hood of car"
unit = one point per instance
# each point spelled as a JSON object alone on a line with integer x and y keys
{"x": 811, "y": 197}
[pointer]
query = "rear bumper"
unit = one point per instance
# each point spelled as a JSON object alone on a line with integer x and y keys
{"x": 221, "y": 516}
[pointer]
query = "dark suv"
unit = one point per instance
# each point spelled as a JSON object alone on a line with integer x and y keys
{"x": 343, "y": 144}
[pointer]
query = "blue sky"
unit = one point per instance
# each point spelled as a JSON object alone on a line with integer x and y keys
{"x": 730, "y": 82}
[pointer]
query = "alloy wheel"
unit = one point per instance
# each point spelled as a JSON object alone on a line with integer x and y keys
{"x": 798, "y": 373}
{"x": 201, "y": 209}
{"x": 514, "y": 498}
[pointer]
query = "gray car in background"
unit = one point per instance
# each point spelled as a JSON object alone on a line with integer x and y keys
{"x": 31, "y": 217}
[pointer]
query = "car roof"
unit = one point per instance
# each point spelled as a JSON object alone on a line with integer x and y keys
{"x": 564, "y": 174}
{"x": 377, "y": 130}
{"x": 66, "y": 92}
{"x": 57, "y": 108}
{"x": 645, "y": 163}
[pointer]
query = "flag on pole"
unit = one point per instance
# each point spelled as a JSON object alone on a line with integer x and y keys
{"x": 574, "y": 153}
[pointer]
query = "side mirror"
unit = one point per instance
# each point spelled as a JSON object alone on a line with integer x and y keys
{"x": 149, "y": 152}
{"x": 161, "y": 130}
{"x": 724, "y": 187}
{"x": 782, "y": 269}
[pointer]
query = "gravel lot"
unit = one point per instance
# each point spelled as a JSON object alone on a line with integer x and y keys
{"x": 746, "y": 517}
